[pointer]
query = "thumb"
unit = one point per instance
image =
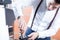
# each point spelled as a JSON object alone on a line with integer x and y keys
{"x": 30, "y": 35}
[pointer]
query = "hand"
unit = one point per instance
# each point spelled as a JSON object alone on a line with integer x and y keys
{"x": 33, "y": 36}
{"x": 22, "y": 25}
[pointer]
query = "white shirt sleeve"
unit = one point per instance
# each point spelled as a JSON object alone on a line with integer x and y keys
{"x": 54, "y": 27}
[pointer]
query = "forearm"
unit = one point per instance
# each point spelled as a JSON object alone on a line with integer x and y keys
{"x": 47, "y": 33}
{"x": 51, "y": 31}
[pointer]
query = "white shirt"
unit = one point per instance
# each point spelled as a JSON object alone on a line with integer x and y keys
{"x": 41, "y": 28}
{"x": 42, "y": 20}
{"x": 40, "y": 13}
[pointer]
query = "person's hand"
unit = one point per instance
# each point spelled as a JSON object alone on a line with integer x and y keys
{"x": 22, "y": 25}
{"x": 33, "y": 36}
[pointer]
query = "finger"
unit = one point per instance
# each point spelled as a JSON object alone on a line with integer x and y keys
{"x": 30, "y": 38}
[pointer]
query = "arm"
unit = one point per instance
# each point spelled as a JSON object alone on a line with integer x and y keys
{"x": 53, "y": 29}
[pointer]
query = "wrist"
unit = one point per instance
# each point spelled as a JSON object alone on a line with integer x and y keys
{"x": 37, "y": 34}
